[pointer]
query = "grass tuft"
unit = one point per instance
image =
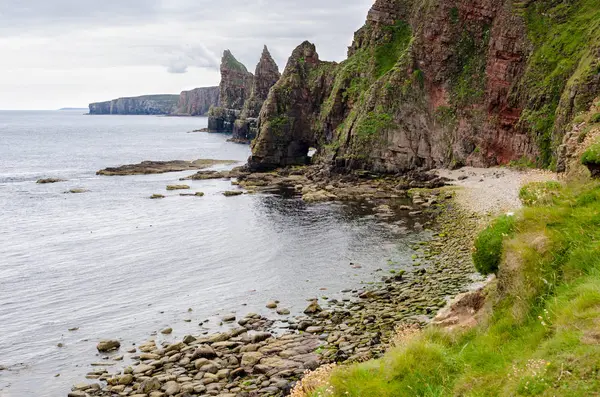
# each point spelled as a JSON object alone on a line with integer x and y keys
{"x": 488, "y": 245}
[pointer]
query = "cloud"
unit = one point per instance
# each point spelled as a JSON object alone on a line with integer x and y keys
{"x": 198, "y": 56}
{"x": 169, "y": 37}
{"x": 177, "y": 67}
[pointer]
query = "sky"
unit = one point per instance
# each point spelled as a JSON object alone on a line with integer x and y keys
{"x": 68, "y": 53}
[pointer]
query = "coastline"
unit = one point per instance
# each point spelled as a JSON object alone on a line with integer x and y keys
{"x": 252, "y": 360}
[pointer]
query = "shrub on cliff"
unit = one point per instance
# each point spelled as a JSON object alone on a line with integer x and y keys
{"x": 488, "y": 245}
{"x": 592, "y": 155}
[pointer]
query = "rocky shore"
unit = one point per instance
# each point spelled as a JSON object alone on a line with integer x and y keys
{"x": 255, "y": 358}
{"x": 161, "y": 167}
{"x": 315, "y": 184}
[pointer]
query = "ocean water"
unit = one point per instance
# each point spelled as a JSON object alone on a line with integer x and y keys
{"x": 115, "y": 264}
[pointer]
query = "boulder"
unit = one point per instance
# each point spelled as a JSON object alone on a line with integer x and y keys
{"x": 108, "y": 345}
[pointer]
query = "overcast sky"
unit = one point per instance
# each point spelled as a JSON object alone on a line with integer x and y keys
{"x": 67, "y": 53}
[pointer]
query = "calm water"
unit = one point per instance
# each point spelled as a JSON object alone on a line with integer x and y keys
{"x": 119, "y": 265}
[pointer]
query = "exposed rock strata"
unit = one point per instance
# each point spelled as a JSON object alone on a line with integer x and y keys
{"x": 161, "y": 167}
{"x": 142, "y": 105}
{"x": 235, "y": 89}
{"x": 242, "y": 95}
{"x": 438, "y": 83}
{"x": 197, "y": 102}
{"x": 265, "y": 77}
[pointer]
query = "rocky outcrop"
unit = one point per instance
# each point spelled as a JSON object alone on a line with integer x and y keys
{"x": 197, "y": 102}
{"x": 437, "y": 83}
{"x": 265, "y": 77}
{"x": 290, "y": 113}
{"x": 235, "y": 88}
{"x": 142, "y": 105}
{"x": 161, "y": 167}
{"x": 242, "y": 95}
{"x": 236, "y": 82}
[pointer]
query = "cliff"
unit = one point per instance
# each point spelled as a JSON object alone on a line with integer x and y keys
{"x": 142, "y": 105}
{"x": 198, "y": 101}
{"x": 438, "y": 83}
{"x": 235, "y": 88}
{"x": 242, "y": 95}
{"x": 265, "y": 77}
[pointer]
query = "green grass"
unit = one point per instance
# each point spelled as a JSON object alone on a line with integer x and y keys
{"x": 388, "y": 54}
{"x": 488, "y": 245}
{"x": 539, "y": 193}
{"x": 563, "y": 34}
{"x": 469, "y": 78}
{"x": 591, "y": 155}
{"x": 542, "y": 337}
{"x": 374, "y": 123}
{"x": 229, "y": 61}
{"x": 522, "y": 164}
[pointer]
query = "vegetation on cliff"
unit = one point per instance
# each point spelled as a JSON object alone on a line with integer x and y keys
{"x": 478, "y": 83}
{"x": 541, "y": 335}
{"x": 561, "y": 78}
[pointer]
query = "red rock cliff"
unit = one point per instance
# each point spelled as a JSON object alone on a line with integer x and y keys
{"x": 437, "y": 83}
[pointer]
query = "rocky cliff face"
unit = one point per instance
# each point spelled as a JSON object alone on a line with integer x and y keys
{"x": 198, "y": 101}
{"x": 437, "y": 83}
{"x": 265, "y": 77}
{"x": 235, "y": 88}
{"x": 142, "y": 105}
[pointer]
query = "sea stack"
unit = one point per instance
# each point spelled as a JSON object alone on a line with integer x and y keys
{"x": 265, "y": 77}
{"x": 235, "y": 88}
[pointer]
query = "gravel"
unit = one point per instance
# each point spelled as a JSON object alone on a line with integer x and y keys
{"x": 492, "y": 191}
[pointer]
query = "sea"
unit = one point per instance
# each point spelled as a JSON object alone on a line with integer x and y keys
{"x": 111, "y": 263}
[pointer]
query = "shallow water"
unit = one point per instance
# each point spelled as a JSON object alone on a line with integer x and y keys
{"x": 116, "y": 264}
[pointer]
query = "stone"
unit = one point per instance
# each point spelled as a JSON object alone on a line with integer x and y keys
{"x": 210, "y": 368}
{"x": 271, "y": 305}
{"x": 238, "y": 373}
{"x": 171, "y": 388}
{"x": 314, "y": 330}
{"x": 250, "y": 359}
{"x": 313, "y": 308}
{"x": 149, "y": 385}
{"x": 204, "y": 351}
{"x": 167, "y": 331}
{"x": 229, "y": 318}
{"x": 230, "y": 193}
{"x": 142, "y": 368}
{"x": 260, "y": 336}
{"x": 108, "y": 345}
{"x": 178, "y": 187}
{"x": 125, "y": 380}
{"x": 283, "y": 312}
{"x": 49, "y": 180}
{"x": 188, "y": 339}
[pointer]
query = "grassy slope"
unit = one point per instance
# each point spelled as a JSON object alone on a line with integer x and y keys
{"x": 543, "y": 336}
{"x": 565, "y": 35}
